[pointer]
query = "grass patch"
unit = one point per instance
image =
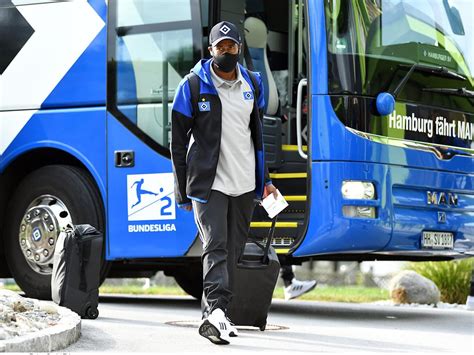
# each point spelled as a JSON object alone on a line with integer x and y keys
{"x": 11, "y": 287}
{"x": 452, "y": 278}
{"x": 138, "y": 290}
{"x": 351, "y": 294}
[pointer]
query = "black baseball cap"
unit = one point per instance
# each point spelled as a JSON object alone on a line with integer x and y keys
{"x": 224, "y": 30}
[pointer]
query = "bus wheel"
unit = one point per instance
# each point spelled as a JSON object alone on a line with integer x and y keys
{"x": 45, "y": 202}
{"x": 190, "y": 280}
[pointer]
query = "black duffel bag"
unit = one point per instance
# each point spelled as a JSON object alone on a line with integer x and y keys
{"x": 76, "y": 270}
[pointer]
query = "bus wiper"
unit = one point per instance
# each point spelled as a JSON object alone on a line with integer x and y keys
{"x": 437, "y": 70}
{"x": 458, "y": 92}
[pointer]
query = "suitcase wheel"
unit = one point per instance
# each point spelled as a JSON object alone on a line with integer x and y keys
{"x": 92, "y": 313}
{"x": 262, "y": 327}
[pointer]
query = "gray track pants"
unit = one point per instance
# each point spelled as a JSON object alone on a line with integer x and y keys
{"x": 223, "y": 223}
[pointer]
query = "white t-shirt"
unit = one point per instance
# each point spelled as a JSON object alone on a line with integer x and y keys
{"x": 235, "y": 173}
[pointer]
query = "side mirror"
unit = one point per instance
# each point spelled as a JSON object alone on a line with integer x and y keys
{"x": 385, "y": 103}
{"x": 454, "y": 18}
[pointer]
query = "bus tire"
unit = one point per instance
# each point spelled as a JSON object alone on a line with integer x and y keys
{"x": 190, "y": 280}
{"x": 66, "y": 192}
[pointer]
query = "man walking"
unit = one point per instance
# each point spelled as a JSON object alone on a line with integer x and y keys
{"x": 218, "y": 165}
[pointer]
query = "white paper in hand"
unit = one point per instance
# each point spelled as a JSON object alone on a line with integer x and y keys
{"x": 274, "y": 206}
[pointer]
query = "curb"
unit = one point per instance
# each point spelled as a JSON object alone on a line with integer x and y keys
{"x": 49, "y": 339}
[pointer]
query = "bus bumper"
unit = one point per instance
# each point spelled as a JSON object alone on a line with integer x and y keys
{"x": 404, "y": 209}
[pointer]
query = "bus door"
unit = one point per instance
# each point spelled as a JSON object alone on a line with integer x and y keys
{"x": 276, "y": 36}
{"x": 152, "y": 45}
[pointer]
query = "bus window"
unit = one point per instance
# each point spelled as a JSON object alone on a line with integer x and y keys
{"x": 154, "y": 48}
{"x": 383, "y": 37}
{"x": 14, "y": 33}
{"x": 373, "y": 44}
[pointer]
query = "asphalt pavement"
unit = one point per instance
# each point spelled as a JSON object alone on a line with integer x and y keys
{"x": 169, "y": 324}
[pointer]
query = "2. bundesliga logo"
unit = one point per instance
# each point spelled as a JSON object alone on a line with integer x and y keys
{"x": 151, "y": 197}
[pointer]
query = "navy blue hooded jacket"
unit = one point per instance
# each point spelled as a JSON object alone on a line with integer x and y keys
{"x": 194, "y": 172}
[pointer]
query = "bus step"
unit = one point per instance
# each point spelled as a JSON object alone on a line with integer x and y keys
{"x": 289, "y": 214}
{"x": 281, "y": 244}
{"x": 290, "y": 153}
{"x": 292, "y": 148}
{"x": 293, "y": 175}
{"x": 281, "y": 241}
{"x": 292, "y": 215}
{"x": 282, "y": 251}
{"x": 296, "y": 205}
{"x": 290, "y": 183}
{"x": 289, "y": 229}
{"x": 295, "y": 198}
{"x": 277, "y": 224}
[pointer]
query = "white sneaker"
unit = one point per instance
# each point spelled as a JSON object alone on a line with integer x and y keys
{"x": 216, "y": 328}
{"x": 297, "y": 288}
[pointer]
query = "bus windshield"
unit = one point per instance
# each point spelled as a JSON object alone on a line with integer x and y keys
{"x": 373, "y": 43}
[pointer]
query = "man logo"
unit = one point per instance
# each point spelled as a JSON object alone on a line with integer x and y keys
{"x": 248, "y": 95}
{"x": 204, "y": 106}
{"x": 441, "y": 217}
{"x": 442, "y": 198}
{"x": 225, "y": 29}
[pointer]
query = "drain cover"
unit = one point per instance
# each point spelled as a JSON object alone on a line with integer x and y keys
{"x": 195, "y": 324}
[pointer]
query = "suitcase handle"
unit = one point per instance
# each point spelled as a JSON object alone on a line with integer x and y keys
{"x": 271, "y": 233}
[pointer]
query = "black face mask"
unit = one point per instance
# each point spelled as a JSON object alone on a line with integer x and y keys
{"x": 226, "y": 62}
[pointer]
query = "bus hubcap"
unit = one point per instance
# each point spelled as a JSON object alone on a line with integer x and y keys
{"x": 44, "y": 219}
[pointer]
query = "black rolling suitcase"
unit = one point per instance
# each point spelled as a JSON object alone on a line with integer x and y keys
{"x": 255, "y": 277}
{"x": 76, "y": 270}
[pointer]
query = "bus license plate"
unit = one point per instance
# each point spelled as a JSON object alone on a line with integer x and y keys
{"x": 437, "y": 240}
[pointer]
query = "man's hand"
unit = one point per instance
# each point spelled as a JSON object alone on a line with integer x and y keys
{"x": 187, "y": 207}
{"x": 270, "y": 188}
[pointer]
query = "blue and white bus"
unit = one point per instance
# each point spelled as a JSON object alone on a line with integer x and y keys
{"x": 368, "y": 129}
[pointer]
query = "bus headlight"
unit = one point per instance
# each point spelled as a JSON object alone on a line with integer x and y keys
{"x": 359, "y": 211}
{"x": 358, "y": 190}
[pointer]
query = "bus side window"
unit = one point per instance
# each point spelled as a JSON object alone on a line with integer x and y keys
{"x": 14, "y": 33}
{"x": 154, "y": 48}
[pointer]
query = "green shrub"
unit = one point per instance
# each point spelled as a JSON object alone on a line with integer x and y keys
{"x": 452, "y": 277}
